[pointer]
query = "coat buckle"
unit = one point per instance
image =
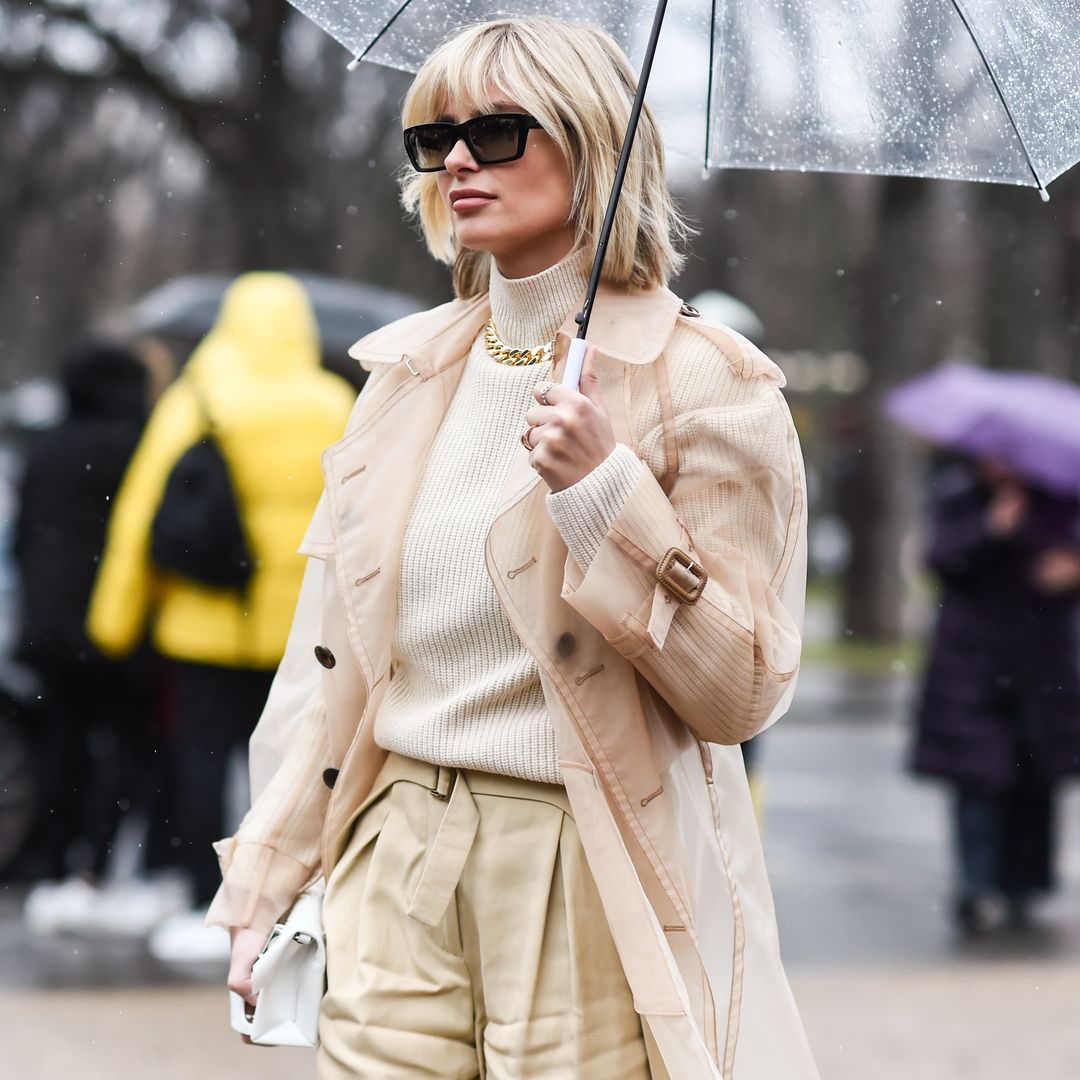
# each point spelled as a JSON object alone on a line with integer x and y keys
{"x": 681, "y": 576}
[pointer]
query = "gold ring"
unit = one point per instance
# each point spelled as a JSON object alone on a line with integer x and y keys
{"x": 544, "y": 393}
{"x": 525, "y": 441}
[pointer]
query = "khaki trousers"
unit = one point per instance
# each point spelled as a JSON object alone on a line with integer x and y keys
{"x": 465, "y": 939}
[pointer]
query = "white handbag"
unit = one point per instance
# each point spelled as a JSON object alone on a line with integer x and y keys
{"x": 289, "y": 979}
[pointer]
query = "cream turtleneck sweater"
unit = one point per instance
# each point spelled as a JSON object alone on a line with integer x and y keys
{"x": 464, "y": 691}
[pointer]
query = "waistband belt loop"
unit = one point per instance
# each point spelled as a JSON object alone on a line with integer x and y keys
{"x": 444, "y": 783}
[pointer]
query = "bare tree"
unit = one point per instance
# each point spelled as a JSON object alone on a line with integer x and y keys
{"x": 248, "y": 146}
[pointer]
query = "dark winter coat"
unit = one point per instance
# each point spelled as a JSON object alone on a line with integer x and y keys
{"x": 72, "y": 473}
{"x": 1002, "y": 679}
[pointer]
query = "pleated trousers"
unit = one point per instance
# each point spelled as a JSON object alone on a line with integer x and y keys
{"x": 466, "y": 940}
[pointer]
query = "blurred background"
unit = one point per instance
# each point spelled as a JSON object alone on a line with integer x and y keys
{"x": 151, "y": 153}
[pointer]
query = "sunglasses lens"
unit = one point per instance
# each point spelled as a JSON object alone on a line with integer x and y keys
{"x": 495, "y": 138}
{"x": 491, "y": 140}
{"x": 429, "y": 144}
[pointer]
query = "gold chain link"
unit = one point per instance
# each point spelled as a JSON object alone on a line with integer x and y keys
{"x": 498, "y": 350}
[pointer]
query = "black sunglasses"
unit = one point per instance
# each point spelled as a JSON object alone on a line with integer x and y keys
{"x": 492, "y": 140}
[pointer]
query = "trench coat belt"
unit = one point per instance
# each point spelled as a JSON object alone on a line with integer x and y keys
{"x": 452, "y": 823}
{"x": 453, "y": 819}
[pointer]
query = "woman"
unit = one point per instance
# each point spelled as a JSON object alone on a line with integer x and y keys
{"x": 1000, "y": 714}
{"x": 535, "y": 610}
{"x": 98, "y": 752}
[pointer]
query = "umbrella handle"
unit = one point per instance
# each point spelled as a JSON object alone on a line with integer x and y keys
{"x": 575, "y": 358}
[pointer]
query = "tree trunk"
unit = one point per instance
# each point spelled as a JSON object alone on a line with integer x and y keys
{"x": 896, "y": 336}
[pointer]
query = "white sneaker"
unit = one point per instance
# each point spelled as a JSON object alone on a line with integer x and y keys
{"x": 59, "y": 908}
{"x": 132, "y": 908}
{"x": 184, "y": 939}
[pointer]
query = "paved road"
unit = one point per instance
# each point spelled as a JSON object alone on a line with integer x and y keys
{"x": 859, "y": 868}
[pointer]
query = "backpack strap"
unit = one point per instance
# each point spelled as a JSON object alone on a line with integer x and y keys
{"x": 667, "y": 424}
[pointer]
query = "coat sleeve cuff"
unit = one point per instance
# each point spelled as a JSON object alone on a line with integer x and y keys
{"x": 621, "y": 585}
{"x": 259, "y": 885}
{"x": 584, "y": 512}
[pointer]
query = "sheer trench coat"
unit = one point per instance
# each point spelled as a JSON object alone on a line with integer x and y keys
{"x": 649, "y": 695}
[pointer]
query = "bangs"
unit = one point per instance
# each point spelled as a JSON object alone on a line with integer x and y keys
{"x": 577, "y": 83}
{"x": 477, "y": 72}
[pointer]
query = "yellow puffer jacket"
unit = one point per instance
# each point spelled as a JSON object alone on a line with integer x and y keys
{"x": 274, "y": 410}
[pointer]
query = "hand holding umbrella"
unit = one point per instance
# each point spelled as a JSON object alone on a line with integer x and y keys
{"x": 569, "y": 431}
{"x": 1007, "y": 510}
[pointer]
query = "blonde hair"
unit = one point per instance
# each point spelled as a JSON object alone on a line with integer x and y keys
{"x": 576, "y": 81}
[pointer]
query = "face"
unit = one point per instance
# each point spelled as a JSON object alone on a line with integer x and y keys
{"x": 518, "y": 211}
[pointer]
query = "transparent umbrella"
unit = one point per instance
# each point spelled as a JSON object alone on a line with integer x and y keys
{"x": 972, "y": 90}
{"x": 954, "y": 89}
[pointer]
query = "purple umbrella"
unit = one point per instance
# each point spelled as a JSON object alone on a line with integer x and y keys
{"x": 1031, "y": 423}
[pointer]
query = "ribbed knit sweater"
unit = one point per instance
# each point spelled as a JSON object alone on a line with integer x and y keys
{"x": 464, "y": 691}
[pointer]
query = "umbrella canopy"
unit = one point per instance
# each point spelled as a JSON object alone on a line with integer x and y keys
{"x": 978, "y": 90}
{"x": 186, "y": 307}
{"x": 1029, "y": 422}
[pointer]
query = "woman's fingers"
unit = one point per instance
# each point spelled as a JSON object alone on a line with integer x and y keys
{"x": 540, "y": 414}
{"x": 568, "y": 433}
{"x": 549, "y": 393}
{"x": 246, "y": 946}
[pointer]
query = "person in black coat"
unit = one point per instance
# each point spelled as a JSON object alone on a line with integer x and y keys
{"x": 1000, "y": 711}
{"x": 95, "y": 743}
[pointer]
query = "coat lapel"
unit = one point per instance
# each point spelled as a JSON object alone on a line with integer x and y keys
{"x": 372, "y": 474}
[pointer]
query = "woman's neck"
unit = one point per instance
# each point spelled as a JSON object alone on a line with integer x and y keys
{"x": 529, "y": 310}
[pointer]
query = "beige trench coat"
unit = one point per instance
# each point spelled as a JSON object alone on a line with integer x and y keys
{"x": 649, "y": 695}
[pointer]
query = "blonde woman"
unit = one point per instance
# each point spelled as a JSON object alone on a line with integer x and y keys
{"x": 535, "y": 627}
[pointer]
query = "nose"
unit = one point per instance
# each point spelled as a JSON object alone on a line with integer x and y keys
{"x": 460, "y": 159}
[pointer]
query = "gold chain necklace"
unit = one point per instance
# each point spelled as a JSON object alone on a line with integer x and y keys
{"x": 498, "y": 350}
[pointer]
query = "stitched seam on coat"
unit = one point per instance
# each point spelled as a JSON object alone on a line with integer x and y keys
{"x": 622, "y": 797}
{"x": 797, "y": 496}
{"x": 738, "y": 959}
{"x": 395, "y": 357}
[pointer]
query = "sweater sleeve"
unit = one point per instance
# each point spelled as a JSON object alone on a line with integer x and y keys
{"x": 583, "y": 512}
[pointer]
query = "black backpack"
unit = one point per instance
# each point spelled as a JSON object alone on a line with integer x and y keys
{"x": 197, "y": 532}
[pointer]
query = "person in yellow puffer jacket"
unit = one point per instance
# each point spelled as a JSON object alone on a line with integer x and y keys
{"x": 274, "y": 410}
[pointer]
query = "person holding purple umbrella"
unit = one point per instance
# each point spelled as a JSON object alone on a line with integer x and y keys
{"x": 999, "y": 717}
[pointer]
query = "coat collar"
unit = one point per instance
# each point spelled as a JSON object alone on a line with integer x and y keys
{"x": 627, "y": 326}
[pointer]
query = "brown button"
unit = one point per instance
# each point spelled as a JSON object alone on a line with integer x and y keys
{"x": 565, "y": 645}
{"x": 329, "y": 777}
{"x": 325, "y": 656}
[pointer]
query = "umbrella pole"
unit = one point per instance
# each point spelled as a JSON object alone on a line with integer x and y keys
{"x": 576, "y": 354}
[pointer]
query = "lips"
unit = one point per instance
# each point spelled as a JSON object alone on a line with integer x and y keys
{"x": 469, "y": 199}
